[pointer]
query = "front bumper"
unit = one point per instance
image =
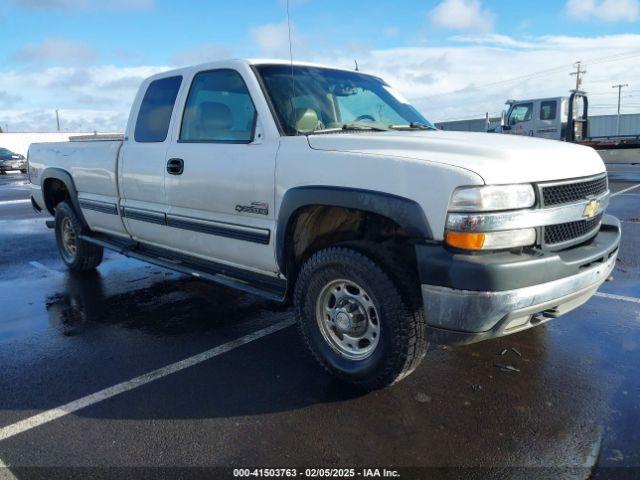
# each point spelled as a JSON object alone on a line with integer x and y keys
{"x": 471, "y": 298}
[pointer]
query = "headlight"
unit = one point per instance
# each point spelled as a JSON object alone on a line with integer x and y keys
{"x": 492, "y": 198}
{"x": 470, "y": 230}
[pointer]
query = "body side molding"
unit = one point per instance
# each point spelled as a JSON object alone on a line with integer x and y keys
{"x": 97, "y": 206}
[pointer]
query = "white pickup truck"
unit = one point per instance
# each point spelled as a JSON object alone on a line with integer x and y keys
{"x": 325, "y": 186}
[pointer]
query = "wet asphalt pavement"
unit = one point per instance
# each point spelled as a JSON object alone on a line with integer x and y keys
{"x": 571, "y": 410}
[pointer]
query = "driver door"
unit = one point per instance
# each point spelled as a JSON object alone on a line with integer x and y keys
{"x": 521, "y": 119}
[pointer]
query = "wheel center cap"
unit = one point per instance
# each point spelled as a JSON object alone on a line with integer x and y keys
{"x": 343, "y": 321}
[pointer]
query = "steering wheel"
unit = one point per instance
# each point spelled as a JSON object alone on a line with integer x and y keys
{"x": 365, "y": 117}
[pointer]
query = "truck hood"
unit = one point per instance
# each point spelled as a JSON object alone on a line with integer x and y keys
{"x": 497, "y": 158}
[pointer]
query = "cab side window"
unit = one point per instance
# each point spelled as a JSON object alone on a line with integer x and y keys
{"x": 156, "y": 108}
{"x": 218, "y": 109}
{"x": 548, "y": 110}
{"x": 521, "y": 113}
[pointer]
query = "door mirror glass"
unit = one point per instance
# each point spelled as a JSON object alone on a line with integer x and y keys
{"x": 218, "y": 109}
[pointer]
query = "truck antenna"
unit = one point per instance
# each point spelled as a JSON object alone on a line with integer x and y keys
{"x": 293, "y": 84}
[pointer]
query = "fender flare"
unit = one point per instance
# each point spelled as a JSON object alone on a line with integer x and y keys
{"x": 405, "y": 212}
{"x": 67, "y": 180}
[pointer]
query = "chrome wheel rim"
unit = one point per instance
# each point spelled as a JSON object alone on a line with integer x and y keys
{"x": 348, "y": 319}
{"x": 69, "y": 239}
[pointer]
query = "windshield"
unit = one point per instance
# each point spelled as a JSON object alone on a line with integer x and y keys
{"x": 5, "y": 153}
{"x": 321, "y": 99}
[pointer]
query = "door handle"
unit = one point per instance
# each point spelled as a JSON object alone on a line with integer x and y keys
{"x": 175, "y": 166}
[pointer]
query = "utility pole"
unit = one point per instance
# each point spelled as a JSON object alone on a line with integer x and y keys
{"x": 619, "y": 87}
{"x": 578, "y": 73}
{"x": 57, "y": 120}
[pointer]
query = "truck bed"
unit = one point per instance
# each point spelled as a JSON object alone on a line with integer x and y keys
{"x": 92, "y": 164}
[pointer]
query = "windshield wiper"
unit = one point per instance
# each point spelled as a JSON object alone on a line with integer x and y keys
{"x": 413, "y": 126}
{"x": 353, "y": 127}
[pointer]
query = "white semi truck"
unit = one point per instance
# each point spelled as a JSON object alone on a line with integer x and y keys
{"x": 567, "y": 119}
{"x": 326, "y": 187}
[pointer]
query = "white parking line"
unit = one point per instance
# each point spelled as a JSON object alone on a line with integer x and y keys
{"x": 14, "y": 202}
{"x": 40, "y": 266}
{"x": 5, "y": 472}
{"x": 55, "y": 413}
{"x": 611, "y": 296}
{"x": 625, "y": 190}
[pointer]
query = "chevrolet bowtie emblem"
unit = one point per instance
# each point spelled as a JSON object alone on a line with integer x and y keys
{"x": 591, "y": 209}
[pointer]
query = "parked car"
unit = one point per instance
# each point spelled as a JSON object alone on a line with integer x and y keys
{"x": 327, "y": 187}
{"x": 11, "y": 161}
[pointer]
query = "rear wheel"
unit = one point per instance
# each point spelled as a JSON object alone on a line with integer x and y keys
{"x": 77, "y": 254}
{"x": 363, "y": 323}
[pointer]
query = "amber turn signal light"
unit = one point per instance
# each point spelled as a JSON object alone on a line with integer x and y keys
{"x": 468, "y": 241}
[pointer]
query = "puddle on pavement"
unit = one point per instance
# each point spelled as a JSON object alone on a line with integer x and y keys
{"x": 174, "y": 306}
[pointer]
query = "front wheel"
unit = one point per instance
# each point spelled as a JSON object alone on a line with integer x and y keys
{"x": 362, "y": 323}
{"x": 77, "y": 254}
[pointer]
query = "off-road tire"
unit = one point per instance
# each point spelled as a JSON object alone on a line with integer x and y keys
{"x": 87, "y": 255}
{"x": 395, "y": 293}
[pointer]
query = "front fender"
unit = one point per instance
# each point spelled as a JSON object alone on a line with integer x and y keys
{"x": 405, "y": 212}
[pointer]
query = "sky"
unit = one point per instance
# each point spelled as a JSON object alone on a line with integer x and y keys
{"x": 453, "y": 59}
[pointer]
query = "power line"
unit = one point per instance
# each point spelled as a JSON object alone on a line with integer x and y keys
{"x": 529, "y": 76}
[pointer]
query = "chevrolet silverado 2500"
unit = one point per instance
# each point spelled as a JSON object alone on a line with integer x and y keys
{"x": 326, "y": 187}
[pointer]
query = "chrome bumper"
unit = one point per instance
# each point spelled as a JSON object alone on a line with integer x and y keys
{"x": 448, "y": 311}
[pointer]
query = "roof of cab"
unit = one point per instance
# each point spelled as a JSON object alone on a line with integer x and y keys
{"x": 240, "y": 61}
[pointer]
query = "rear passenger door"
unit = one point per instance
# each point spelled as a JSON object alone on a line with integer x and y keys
{"x": 143, "y": 161}
{"x": 221, "y": 200}
{"x": 549, "y": 124}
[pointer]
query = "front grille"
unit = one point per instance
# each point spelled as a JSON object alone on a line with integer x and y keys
{"x": 573, "y": 192}
{"x": 564, "y": 232}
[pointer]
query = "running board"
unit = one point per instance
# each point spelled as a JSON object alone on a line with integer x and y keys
{"x": 265, "y": 286}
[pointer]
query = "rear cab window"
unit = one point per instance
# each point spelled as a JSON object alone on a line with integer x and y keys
{"x": 154, "y": 116}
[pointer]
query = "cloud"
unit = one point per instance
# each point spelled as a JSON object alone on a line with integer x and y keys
{"x": 89, "y": 98}
{"x": 66, "y": 5}
{"x": 473, "y": 75}
{"x": 467, "y": 15}
{"x": 493, "y": 39}
{"x": 604, "y": 10}
{"x": 273, "y": 39}
{"x": 390, "y": 32}
{"x": 207, "y": 52}
{"x": 8, "y": 99}
{"x": 55, "y": 50}
{"x": 466, "y": 80}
